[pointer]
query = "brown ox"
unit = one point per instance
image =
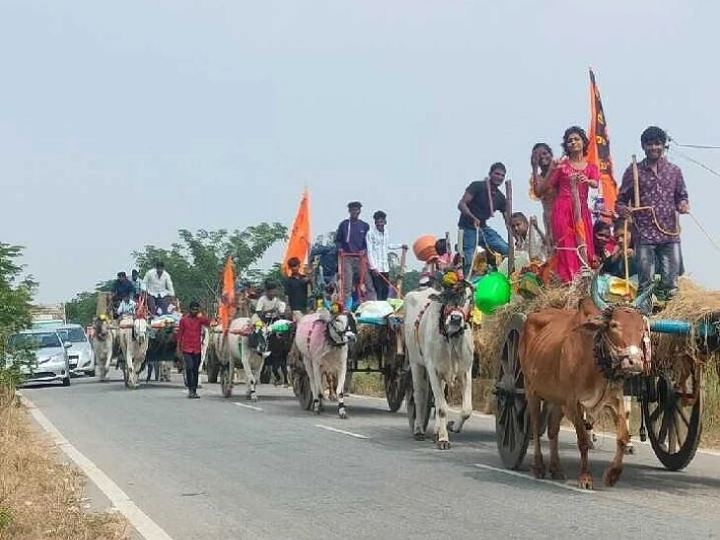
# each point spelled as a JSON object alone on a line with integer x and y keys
{"x": 576, "y": 360}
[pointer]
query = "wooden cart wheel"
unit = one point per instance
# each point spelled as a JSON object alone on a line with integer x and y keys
{"x": 410, "y": 403}
{"x": 512, "y": 420}
{"x": 301, "y": 386}
{"x": 673, "y": 414}
{"x": 395, "y": 376}
{"x": 212, "y": 365}
{"x": 227, "y": 373}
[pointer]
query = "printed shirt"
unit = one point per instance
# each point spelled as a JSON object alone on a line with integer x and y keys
{"x": 126, "y": 307}
{"x": 484, "y": 204}
{"x": 664, "y": 192}
{"x": 158, "y": 286}
{"x": 378, "y": 243}
{"x": 351, "y": 236}
{"x": 189, "y": 336}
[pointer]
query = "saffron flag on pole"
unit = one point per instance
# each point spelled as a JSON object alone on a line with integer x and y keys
{"x": 227, "y": 301}
{"x": 299, "y": 243}
{"x": 599, "y": 151}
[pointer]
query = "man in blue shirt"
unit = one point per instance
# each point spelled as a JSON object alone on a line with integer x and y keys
{"x": 351, "y": 242}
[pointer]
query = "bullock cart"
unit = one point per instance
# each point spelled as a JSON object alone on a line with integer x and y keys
{"x": 379, "y": 348}
{"x": 685, "y": 338}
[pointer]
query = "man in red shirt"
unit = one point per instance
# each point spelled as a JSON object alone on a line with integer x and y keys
{"x": 189, "y": 343}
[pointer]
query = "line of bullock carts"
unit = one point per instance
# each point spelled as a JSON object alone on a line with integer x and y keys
{"x": 421, "y": 350}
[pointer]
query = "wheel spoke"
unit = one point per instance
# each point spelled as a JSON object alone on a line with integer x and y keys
{"x": 681, "y": 413}
{"x": 654, "y": 415}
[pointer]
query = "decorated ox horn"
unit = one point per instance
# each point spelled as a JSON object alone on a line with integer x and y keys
{"x": 595, "y": 294}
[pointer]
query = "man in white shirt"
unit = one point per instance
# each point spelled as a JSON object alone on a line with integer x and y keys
{"x": 159, "y": 287}
{"x": 378, "y": 245}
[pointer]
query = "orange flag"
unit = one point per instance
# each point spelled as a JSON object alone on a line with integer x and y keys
{"x": 599, "y": 151}
{"x": 299, "y": 244}
{"x": 227, "y": 302}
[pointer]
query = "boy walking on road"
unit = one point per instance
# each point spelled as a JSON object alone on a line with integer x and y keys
{"x": 189, "y": 343}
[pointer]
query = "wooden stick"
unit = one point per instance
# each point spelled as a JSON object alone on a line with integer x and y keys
{"x": 625, "y": 256}
{"x": 511, "y": 238}
{"x": 399, "y": 284}
{"x": 636, "y": 181}
{"x": 577, "y": 217}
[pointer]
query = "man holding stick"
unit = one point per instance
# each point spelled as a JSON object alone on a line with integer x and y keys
{"x": 653, "y": 192}
{"x": 480, "y": 201}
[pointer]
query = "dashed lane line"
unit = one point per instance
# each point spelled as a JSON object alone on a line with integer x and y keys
{"x": 342, "y": 431}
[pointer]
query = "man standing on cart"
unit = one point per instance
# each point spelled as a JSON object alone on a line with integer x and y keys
{"x": 653, "y": 205}
{"x": 351, "y": 241}
{"x": 482, "y": 198}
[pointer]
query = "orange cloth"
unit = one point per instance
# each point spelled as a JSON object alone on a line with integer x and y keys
{"x": 299, "y": 243}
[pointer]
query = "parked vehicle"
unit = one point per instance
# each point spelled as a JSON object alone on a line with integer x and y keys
{"x": 81, "y": 355}
{"x": 51, "y": 363}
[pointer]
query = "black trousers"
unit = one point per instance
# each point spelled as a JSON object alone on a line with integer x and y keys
{"x": 381, "y": 285}
{"x": 192, "y": 365}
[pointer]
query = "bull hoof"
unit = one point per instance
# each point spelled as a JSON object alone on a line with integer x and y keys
{"x": 419, "y": 436}
{"x": 538, "y": 471}
{"x": 316, "y": 407}
{"x": 611, "y": 477}
{"x": 443, "y": 445}
{"x": 585, "y": 481}
{"x": 342, "y": 413}
{"x": 556, "y": 473}
{"x": 253, "y": 398}
{"x": 630, "y": 449}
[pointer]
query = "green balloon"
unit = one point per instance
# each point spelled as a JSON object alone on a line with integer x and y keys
{"x": 492, "y": 291}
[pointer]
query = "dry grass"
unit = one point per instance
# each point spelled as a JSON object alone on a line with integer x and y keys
{"x": 41, "y": 497}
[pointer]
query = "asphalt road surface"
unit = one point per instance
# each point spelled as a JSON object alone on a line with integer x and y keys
{"x": 214, "y": 468}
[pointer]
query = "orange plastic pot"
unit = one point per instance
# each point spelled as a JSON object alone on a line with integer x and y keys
{"x": 424, "y": 247}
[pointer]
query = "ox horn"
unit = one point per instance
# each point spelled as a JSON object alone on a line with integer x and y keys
{"x": 595, "y": 294}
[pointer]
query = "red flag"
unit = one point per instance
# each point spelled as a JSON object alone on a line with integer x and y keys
{"x": 599, "y": 151}
{"x": 227, "y": 302}
{"x": 299, "y": 243}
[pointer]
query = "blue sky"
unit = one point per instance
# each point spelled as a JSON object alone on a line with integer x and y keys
{"x": 123, "y": 122}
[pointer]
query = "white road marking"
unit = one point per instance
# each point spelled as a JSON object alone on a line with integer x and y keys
{"x": 252, "y": 407}
{"x": 349, "y": 433}
{"x": 567, "y": 429}
{"x": 142, "y": 523}
{"x": 533, "y": 479}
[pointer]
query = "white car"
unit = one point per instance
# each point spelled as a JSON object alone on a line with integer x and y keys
{"x": 81, "y": 354}
{"x": 51, "y": 362}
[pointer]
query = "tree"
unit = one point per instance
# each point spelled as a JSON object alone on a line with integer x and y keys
{"x": 196, "y": 262}
{"x": 16, "y": 292}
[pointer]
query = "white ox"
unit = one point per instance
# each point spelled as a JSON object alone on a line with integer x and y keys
{"x": 440, "y": 348}
{"x": 240, "y": 351}
{"x": 133, "y": 336}
{"x": 323, "y": 345}
{"x": 103, "y": 342}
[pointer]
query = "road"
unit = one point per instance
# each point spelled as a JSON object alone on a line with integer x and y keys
{"x": 215, "y": 468}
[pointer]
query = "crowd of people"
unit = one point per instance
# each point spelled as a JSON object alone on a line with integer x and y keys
{"x": 637, "y": 238}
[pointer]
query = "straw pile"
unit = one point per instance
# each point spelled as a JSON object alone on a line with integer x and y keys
{"x": 490, "y": 335}
{"x": 694, "y": 304}
{"x": 671, "y": 353}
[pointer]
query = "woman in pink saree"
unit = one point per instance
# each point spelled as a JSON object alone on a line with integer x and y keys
{"x": 572, "y": 168}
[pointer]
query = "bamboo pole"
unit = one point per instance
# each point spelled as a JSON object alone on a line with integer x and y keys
{"x": 399, "y": 284}
{"x": 636, "y": 181}
{"x": 511, "y": 238}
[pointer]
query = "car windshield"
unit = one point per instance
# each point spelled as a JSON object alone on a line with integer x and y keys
{"x": 35, "y": 340}
{"x": 72, "y": 335}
